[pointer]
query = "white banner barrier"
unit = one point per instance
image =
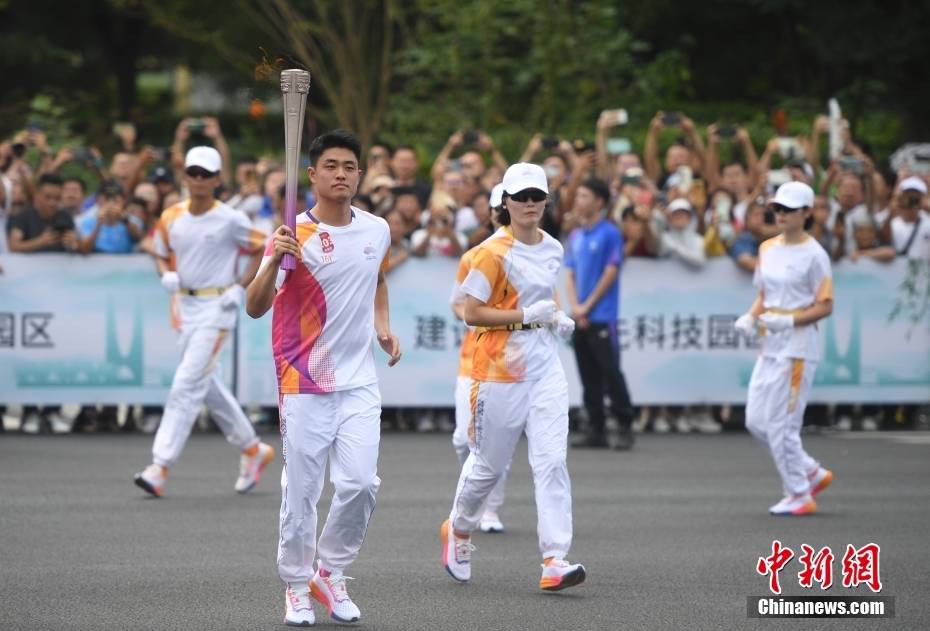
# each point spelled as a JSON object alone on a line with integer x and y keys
{"x": 95, "y": 330}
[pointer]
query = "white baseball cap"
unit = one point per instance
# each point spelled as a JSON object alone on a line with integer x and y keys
{"x": 794, "y": 195}
{"x": 913, "y": 183}
{"x": 524, "y": 175}
{"x": 680, "y": 204}
{"x": 204, "y": 157}
{"x": 497, "y": 196}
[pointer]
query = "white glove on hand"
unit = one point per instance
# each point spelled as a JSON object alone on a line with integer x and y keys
{"x": 562, "y": 325}
{"x": 171, "y": 282}
{"x": 232, "y": 297}
{"x": 540, "y": 312}
{"x": 745, "y": 324}
{"x": 776, "y": 322}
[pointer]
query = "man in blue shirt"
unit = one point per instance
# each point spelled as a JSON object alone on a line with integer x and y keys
{"x": 593, "y": 256}
{"x": 111, "y": 230}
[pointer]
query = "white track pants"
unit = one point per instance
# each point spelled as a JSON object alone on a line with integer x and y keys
{"x": 501, "y": 413}
{"x": 342, "y": 427}
{"x": 197, "y": 381}
{"x": 778, "y": 392}
{"x": 461, "y": 444}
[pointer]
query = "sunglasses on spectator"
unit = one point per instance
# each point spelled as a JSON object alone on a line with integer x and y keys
{"x": 529, "y": 195}
{"x": 199, "y": 173}
{"x": 783, "y": 210}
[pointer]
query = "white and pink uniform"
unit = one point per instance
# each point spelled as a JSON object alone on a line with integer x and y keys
{"x": 322, "y": 335}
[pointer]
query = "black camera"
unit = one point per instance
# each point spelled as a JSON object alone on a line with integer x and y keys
{"x": 549, "y": 142}
{"x": 470, "y": 137}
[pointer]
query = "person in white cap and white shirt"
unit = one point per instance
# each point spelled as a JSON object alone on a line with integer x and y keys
{"x": 680, "y": 239}
{"x": 518, "y": 383}
{"x": 795, "y": 286}
{"x": 490, "y": 520}
{"x": 909, "y": 224}
{"x": 197, "y": 245}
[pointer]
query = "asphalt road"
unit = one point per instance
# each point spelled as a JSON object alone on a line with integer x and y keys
{"x": 670, "y": 534}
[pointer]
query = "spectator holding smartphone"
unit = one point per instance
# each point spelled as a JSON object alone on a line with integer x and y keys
{"x": 685, "y": 152}
{"x": 908, "y": 226}
{"x": 736, "y": 176}
{"x": 112, "y": 230}
{"x": 439, "y": 237}
{"x": 680, "y": 239}
{"x": 44, "y": 227}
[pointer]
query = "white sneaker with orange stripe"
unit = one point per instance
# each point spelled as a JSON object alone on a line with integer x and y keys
{"x": 251, "y": 467}
{"x": 456, "y": 553}
{"x": 820, "y": 479}
{"x": 298, "y": 610}
{"x": 559, "y": 574}
{"x": 330, "y": 591}
{"x": 152, "y": 479}
{"x": 794, "y": 505}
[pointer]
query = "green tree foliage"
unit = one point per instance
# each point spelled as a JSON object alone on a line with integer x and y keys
{"x": 514, "y": 67}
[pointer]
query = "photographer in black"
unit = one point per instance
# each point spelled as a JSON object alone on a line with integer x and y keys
{"x": 43, "y": 227}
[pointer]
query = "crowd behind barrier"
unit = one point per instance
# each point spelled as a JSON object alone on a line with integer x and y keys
{"x": 697, "y": 198}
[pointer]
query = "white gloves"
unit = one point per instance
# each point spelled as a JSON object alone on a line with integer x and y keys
{"x": 776, "y": 322}
{"x": 232, "y": 297}
{"x": 562, "y": 325}
{"x": 171, "y": 282}
{"x": 745, "y": 324}
{"x": 540, "y": 312}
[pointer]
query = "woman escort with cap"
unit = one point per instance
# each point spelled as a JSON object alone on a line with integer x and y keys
{"x": 518, "y": 384}
{"x": 795, "y": 291}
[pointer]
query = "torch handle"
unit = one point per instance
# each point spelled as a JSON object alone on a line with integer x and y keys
{"x": 295, "y": 84}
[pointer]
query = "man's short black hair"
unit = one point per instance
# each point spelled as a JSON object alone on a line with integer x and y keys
{"x": 137, "y": 201}
{"x": 402, "y": 148}
{"x": 52, "y": 179}
{"x": 79, "y": 181}
{"x": 337, "y": 138}
{"x": 110, "y": 189}
{"x": 598, "y": 187}
{"x": 400, "y": 191}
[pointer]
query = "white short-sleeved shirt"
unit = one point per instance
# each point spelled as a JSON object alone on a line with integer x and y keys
{"x": 792, "y": 277}
{"x": 323, "y": 322}
{"x": 203, "y": 249}
{"x": 901, "y": 233}
{"x": 508, "y": 274}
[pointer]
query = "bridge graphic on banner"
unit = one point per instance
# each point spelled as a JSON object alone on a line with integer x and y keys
{"x": 117, "y": 369}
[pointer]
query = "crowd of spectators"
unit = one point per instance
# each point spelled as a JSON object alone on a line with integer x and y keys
{"x": 693, "y": 194}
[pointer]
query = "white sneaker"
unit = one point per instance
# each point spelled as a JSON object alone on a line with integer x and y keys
{"x": 58, "y": 423}
{"x": 794, "y": 505}
{"x": 152, "y": 479}
{"x": 683, "y": 425}
{"x": 150, "y": 423}
{"x": 456, "y": 553}
{"x": 844, "y": 423}
{"x": 298, "y": 610}
{"x": 869, "y": 424}
{"x": 31, "y": 424}
{"x": 820, "y": 479}
{"x": 641, "y": 422}
{"x": 251, "y": 467}
{"x": 490, "y": 522}
{"x": 660, "y": 425}
{"x": 330, "y": 591}
{"x": 705, "y": 424}
{"x": 559, "y": 574}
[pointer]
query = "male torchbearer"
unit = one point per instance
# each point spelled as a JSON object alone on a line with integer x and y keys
{"x": 327, "y": 310}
